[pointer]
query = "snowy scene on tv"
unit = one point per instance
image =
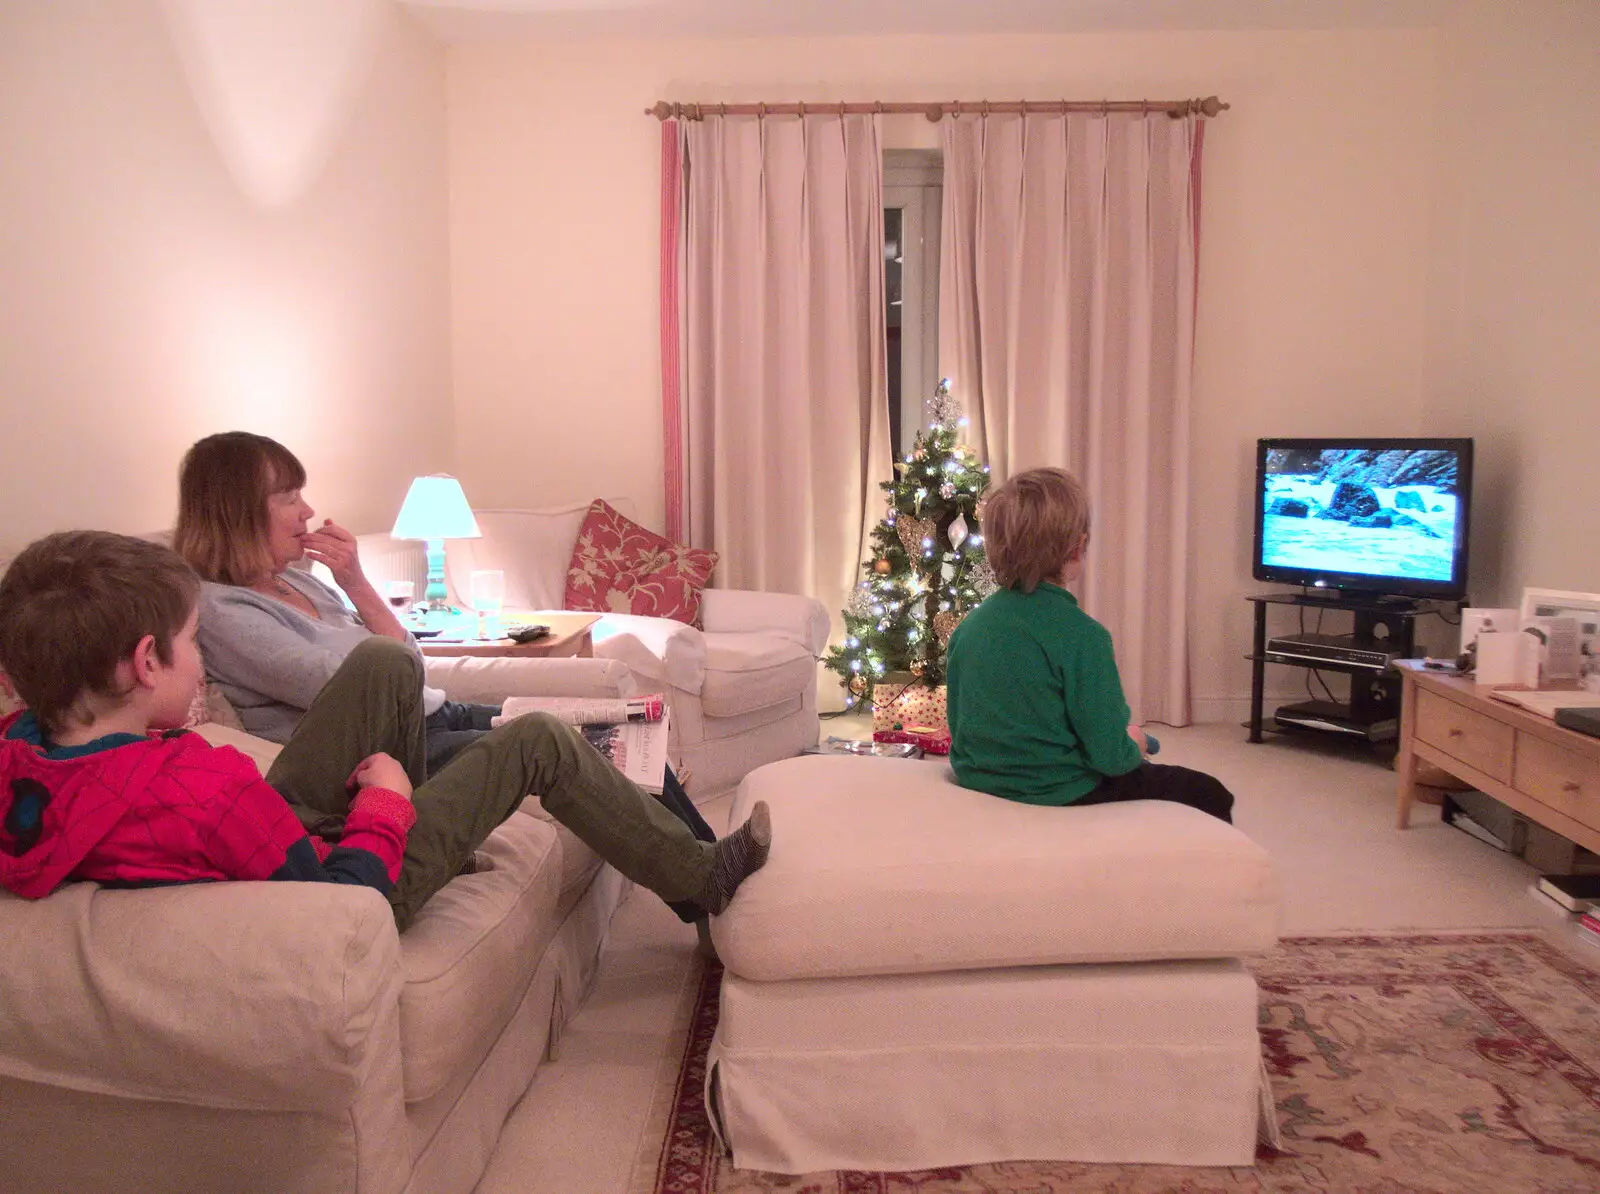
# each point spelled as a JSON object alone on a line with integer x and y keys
{"x": 1361, "y": 511}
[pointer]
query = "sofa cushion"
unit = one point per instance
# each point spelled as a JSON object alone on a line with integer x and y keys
{"x": 887, "y": 866}
{"x": 579, "y": 864}
{"x": 532, "y": 548}
{"x": 472, "y": 951}
{"x": 621, "y": 567}
{"x": 263, "y": 996}
{"x": 745, "y": 672}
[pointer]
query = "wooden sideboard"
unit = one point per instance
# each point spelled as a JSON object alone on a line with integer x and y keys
{"x": 1547, "y": 773}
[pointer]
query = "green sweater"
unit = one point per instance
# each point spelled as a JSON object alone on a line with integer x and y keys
{"x": 1036, "y": 708}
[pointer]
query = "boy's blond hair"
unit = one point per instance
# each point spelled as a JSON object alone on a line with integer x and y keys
{"x": 75, "y": 604}
{"x": 1033, "y": 524}
{"x": 223, "y": 487}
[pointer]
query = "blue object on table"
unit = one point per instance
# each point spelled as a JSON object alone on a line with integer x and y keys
{"x": 1152, "y": 743}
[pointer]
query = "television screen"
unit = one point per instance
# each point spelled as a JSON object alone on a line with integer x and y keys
{"x": 1382, "y": 515}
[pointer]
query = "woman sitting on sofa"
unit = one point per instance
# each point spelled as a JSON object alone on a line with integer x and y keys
{"x": 272, "y": 635}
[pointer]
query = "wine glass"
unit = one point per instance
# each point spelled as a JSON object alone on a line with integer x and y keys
{"x": 488, "y": 593}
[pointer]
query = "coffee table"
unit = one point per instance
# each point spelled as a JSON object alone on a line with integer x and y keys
{"x": 570, "y": 635}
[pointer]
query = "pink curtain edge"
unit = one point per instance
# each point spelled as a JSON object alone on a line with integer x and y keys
{"x": 671, "y": 316}
{"x": 1196, "y": 174}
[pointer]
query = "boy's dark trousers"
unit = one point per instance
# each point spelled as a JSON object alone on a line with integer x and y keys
{"x": 1160, "y": 781}
{"x": 374, "y": 703}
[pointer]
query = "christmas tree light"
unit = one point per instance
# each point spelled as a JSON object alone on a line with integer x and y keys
{"x": 928, "y": 566}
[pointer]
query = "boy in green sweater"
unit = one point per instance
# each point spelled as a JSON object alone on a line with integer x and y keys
{"x": 1035, "y": 704}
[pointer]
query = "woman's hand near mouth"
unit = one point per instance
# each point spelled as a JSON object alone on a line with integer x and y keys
{"x": 335, "y": 548}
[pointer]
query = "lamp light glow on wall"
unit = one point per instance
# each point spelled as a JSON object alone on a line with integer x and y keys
{"x": 435, "y": 509}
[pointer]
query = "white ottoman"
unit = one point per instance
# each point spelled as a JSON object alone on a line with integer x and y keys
{"x": 925, "y": 976}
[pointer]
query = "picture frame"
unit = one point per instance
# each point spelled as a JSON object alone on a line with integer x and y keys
{"x": 1584, "y": 608}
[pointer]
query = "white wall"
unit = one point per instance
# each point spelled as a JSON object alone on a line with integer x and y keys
{"x": 1514, "y": 298}
{"x": 1315, "y": 246}
{"x": 176, "y": 259}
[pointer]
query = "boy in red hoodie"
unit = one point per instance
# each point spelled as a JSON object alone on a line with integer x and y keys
{"x": 97, "y": 780}
{"x": 97, "y": 636}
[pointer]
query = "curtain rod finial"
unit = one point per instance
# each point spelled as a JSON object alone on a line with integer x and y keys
{"x": 934, "y": 113}
{"x": 660, "y": 111}
{"x": 1211, "y": 106}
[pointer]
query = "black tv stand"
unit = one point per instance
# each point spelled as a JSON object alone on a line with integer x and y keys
{"x": 1384, "y": 627}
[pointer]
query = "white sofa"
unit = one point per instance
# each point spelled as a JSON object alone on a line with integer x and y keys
{"x": 743, "y": 691}
{"x": 283, "y": 1036}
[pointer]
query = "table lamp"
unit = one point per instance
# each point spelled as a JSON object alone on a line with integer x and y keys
{"x": 435, "y": 509}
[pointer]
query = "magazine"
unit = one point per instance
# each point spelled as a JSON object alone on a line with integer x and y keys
{"x": 637, "y": 748}
{"x": 582, "y": 711}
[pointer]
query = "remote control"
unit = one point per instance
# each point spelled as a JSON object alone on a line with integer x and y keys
{"x": 519, "y": 632}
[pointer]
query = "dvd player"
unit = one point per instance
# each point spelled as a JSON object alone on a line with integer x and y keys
{"x": 1343, "y": 649}
{"x": 1331, "y": 715}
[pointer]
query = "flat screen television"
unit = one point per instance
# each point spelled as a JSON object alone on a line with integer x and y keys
{"x": 1376, "y": 516}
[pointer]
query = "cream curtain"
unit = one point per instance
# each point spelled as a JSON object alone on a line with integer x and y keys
{"x": 784, "y": 416}
{"x": 1067, "y": 298}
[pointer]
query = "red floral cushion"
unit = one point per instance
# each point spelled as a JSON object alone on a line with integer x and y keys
{"x": 619, "y": 567}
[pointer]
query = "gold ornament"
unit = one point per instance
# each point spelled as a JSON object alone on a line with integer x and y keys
{"x": 913, "y": 531}
{"x": 882, "y": 567}
{"x": 858, "y": 684}
{"x": 944, "y": 625}
{"x": 918, "y": 666}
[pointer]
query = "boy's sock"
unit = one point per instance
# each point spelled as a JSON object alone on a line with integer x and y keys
{"x": 735, "y": 858}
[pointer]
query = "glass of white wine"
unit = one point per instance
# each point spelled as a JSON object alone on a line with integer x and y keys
{"x": 488, "y": 593}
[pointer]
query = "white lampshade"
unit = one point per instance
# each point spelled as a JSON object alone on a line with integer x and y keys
{"x": 435, "y": 508}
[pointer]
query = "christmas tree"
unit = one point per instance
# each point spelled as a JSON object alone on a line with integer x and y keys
{"x": 928, "y": 567}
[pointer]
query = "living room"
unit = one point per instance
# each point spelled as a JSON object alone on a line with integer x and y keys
{"x": 439, "y": 250}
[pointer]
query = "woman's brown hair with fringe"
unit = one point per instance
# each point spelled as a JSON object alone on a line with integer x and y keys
{"x": 75, "y": 604}
{"x": 223, "y": 487}
{"x": 1033, "y": 524}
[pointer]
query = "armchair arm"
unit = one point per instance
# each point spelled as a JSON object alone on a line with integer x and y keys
{"x": 491, "y": 681}
{"x": 656, "y": 650}
{"x": 800, "y": 619}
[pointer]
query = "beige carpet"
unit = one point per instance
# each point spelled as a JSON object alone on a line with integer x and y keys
{"x": 1433, "y": 1064}
{"x": 1324, "y": 811}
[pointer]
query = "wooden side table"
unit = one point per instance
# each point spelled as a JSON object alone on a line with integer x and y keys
{"x": 570, "y": 636}
{"x": 1546, "y": 772}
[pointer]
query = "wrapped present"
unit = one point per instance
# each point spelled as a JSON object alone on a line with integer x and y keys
{"x": 895, "y": 707}
{"x": 932, "y": 742}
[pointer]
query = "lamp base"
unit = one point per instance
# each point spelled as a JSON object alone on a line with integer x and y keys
{"x": 436, "y": 594}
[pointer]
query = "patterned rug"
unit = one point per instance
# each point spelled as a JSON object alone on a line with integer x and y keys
{"x": 1438, "y": 1064}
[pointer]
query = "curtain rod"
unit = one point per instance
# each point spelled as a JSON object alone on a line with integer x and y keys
{"x": 1209, "y": 106}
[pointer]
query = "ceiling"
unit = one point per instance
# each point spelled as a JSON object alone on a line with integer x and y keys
{"x": 466, "y": 20}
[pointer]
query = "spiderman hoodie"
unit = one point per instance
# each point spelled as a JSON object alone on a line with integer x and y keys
{"x": 135, "y": 810}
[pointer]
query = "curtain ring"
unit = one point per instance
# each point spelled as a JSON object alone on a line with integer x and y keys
{"x": 761, "y": 110}
{"x": 722, "y": 109}
{"x": 985, "y": 109}
{"x": 802, "y": 106}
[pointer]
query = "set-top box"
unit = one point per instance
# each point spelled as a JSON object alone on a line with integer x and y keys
{"x": 1342, "y": 649}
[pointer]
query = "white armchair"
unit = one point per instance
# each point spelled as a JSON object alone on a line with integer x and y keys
{"x": 743, "y": 691}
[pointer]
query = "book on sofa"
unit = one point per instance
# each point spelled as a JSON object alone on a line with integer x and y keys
{"x": 631, "y": 732}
